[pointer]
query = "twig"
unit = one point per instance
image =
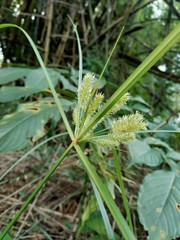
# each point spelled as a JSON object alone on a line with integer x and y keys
{"x": 48, "y": 34}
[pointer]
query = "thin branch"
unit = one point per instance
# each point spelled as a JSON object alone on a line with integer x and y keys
{"x": 136, "y": 62}
{"x": 171, "y": 6}
{"x": 48, "y": 34}
{"x": 141, "y": 7}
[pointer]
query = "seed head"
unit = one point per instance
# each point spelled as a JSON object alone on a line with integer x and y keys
{"x": 129, "y": 124}
{"x": 85, "y": 90}
{"x": 122, "y": 101}
{"x": 95, "y": 103}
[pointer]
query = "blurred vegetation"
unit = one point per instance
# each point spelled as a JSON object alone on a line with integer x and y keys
{"x": 157, "y": 96}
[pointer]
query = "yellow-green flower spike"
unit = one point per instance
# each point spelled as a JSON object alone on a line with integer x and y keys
{"x": 95, "y": 103}
{"x": 106, "y": 142}
{"x": 129, "y": 124}
{"x": 122, "y": 137}
{"x": 76, "y": 115}
{"x": 122, "y": 101}
{"x": 85, "y": 90}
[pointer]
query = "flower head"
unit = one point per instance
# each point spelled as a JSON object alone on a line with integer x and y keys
{"x": 85, "y": 90}
{"x": 121, "y": 130}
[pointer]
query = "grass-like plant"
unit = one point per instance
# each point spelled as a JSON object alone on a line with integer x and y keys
{"x": 89, "y": 112}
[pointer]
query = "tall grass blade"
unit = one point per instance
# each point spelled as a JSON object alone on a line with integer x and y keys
{"x": 117, "y": 215}
{"x": 109, "y": 231}
{"x": 121, "y": 185}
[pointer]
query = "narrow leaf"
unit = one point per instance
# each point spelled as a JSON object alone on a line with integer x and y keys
{"x": 118, "y": 217}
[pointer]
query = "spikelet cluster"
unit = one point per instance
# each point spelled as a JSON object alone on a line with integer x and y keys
{"x": 122, "y": 130}
{"x": 129, "y": 124}
{"x": 85, "y": 90}
{"x": 95, "y": 103}
{"x": 76, "y": 115}
{"x": 122, "y": 101}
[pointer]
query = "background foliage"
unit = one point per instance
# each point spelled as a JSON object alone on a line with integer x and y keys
{"x": 156, "y": 96}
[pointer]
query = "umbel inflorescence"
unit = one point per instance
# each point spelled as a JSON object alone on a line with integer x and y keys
{"x": 121, "y": 130}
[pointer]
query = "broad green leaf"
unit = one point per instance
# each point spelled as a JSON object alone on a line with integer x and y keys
{"x": 67, "y": 84}
{"x": 175, "y": 166}
{"x": 26, "y": 125}
{"x": 138, "y": 103}
{"x": 36, "y": 78}
{"x": 142, "y": 153}
{"x": 159, "y": 204}
{"x": 6, "y": 237}
{"x": 173, "y": 155}
{"x": 157, "y": 142}
{"x": 141, "y": 107}
{"x": 140, "y": 100}
{"x": 9, "y": 94}
{"x": 12, "y": 73}
{"x": 34, "y": 83}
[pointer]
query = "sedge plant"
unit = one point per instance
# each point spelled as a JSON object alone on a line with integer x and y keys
{"x": 91, "y": 110}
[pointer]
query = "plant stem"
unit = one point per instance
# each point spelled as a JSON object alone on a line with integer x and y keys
{"x": 121, "y": 184}
{"x": 36, "y": 190}
{"x": 117, "y": 215}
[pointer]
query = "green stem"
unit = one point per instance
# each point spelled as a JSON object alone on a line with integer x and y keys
{"x": 79, "y": 50}
{"x": 80, "y": 67}
{"x": 121, "y": 184}
{"x": 36, "y": 190}
{"x": 117, "y": 215}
